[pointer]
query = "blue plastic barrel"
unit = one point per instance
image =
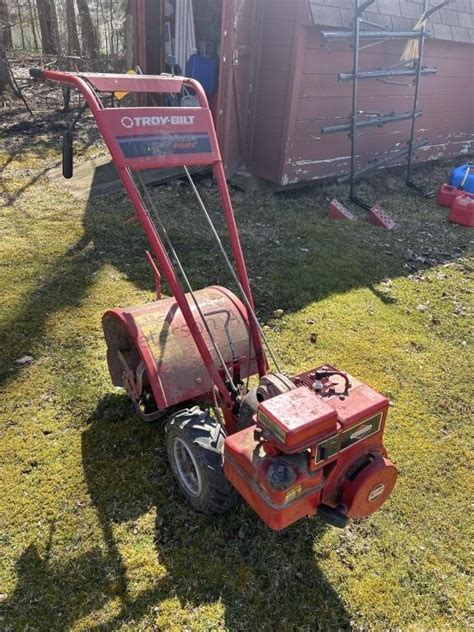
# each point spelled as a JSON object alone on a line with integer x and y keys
{"x": 204, "y": 70}
{"x": 458, "y": 175}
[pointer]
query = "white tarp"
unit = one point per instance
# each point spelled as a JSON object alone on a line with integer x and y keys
{"x": 185, "y": 35}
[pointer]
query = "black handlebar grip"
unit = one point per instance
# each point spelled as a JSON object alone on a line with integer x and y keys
{"x": 68, "y": 155}
{"x": 36, "y": 73}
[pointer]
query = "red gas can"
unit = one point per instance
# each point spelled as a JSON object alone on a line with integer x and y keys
{"x": 447, "y": 194}
{"x": 462, "y": 211}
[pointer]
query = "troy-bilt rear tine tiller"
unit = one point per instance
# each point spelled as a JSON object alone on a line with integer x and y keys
{"x": 292, "y": 445}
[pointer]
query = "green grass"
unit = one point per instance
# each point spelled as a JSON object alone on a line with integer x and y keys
{"x": 94, "y": 535}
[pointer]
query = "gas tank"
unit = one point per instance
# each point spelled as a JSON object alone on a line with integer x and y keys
{"x": 157, "y": 335}
{"x": 462, "y": 210}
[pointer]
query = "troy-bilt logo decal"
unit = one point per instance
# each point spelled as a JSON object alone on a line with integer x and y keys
{"x": 130, "y": 122}
{"x": 376, "y": 492}
{"x": 361, "y": 432}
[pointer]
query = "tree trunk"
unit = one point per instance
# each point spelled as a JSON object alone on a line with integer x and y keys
{"x": 5, "y": 26}
{"x": 128, "y": 40}
{"x": 33, "y": 25}
{"x": 112, "y": 30}
{"x": 73, "y": 46}
{"x": 4, "y": 21}
{"x": 20, "y": 22}
{"x": 4, "y": 76}
{"x": 105, "y": 23}
{"x": 90, "y": 39}
{"x": 48, "y": 21}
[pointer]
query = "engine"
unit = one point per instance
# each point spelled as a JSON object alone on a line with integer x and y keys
{"x": 315, "y": 444}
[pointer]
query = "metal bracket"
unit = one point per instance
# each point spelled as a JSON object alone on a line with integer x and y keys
{"x": 364, "y": 6}
{"x": 338, "y": 36}
{"x": 377, "y": 121}
{"x": 380, "y": 162}
{"x": 439, "y": 6}
{"x": 375, "y": 34}
{"x": 385, "y": 72}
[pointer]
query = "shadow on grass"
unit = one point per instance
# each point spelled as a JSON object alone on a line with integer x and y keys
{"x": 39, "y": 601}
{"x": 295, "y": 257}
{"x": 107, "y": 239}
{"x": 263, "y": 580}
{"x": 36, "y": 138}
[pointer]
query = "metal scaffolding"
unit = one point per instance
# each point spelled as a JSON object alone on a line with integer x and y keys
{"x": 411, "y": 67}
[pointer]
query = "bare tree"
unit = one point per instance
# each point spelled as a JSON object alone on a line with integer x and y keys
{"x": 89, "y": 35}
{"x": 112, "y": 29}
{"x": 5, "y": 26}
{"x": 4, "y": 74}
{"x": 128, "y": 40}
{"x": 31, "y": 13}
{"x": 97, "y": 29}
{"x": 5, "y": 43}
{"x": 20, "y": 23}
{"x": 73, "y": 46}
{"x": 48, "y": 21}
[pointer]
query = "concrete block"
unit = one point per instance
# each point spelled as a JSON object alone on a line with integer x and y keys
{"x": 442, "y": 32}
{"x": 326, "y": 15}
{"x": 466, "y": 19}
{"x": 347, "y": 18}
{"x": 402, "y": 24}
{"x": 460, "y": 34}
{"x": 340, "y": 4}
{"x": 448, "y": 16}
{"x": 410, "y": 10}
{"x": 388, "y": 7}
{"x": 377, "y": 18}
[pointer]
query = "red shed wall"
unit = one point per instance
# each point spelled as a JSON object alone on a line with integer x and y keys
{"x": 278, "y": 42}
{"x": 447, "y": 101}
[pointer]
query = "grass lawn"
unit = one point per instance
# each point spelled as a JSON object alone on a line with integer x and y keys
{"x": 93, "y": 533}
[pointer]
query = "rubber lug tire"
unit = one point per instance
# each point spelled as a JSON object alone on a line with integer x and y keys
{"x": 248, "y": 409}
{"x": 205, "y": 438}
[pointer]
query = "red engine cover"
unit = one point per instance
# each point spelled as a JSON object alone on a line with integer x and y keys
{"x": 369, "y": 489}
{"x": 331, "y": 445}
{"x": 297, "y": 419}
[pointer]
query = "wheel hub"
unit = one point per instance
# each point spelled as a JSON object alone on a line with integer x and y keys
{"x": 186, "y": 468}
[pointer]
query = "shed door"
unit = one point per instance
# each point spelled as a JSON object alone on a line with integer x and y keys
{"x": 239, "y": 20}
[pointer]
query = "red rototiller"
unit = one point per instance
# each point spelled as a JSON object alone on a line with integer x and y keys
{"x": 291, "y": 446}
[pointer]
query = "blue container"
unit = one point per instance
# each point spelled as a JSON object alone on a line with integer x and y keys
{"x": 204, "y": 70}
{"x": 458, "y": 175}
